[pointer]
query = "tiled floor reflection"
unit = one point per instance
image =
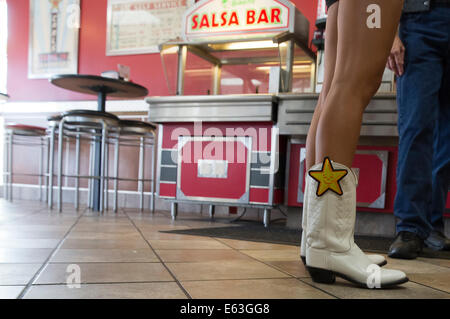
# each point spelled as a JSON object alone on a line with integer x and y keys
{"x": 125, "y": 255}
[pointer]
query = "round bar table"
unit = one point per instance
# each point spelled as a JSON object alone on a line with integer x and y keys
{"x": 102, "y": 87}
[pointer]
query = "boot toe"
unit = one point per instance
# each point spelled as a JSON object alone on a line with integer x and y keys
{"x": 377, "y": 260}
{"x": 391, "y": 277}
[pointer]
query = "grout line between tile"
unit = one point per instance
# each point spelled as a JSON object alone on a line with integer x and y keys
{"x": 318, "y": 288}
{"x": 106, "y": 283}
{"x": 101, "y": 262}
{"x": 424, "y": 285}
{"x": 281, "y": 270}
{"x": 160, "y": 259}
{"x": 46, "y": 262}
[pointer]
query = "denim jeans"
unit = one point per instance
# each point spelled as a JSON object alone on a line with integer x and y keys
{"x": 423, "y": 98}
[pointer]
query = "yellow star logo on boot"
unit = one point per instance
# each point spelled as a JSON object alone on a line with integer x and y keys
{"x": 328, "y": 178}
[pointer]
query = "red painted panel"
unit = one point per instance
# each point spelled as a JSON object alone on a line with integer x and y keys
{"x": 370, "y": 177}
{"x": 391, "y": 187}
{"x": 233, "y": 187}
{"x": 168, "y": 190}
{"x": 259, "y": 195}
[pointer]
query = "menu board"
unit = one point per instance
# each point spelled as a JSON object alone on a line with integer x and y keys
{"x": 139, "y": 26}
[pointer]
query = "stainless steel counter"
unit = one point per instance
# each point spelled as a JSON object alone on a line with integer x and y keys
{"x": 295, "y": 113}
{"x": 213, "y": 108}
{"x": 291, "y": 112}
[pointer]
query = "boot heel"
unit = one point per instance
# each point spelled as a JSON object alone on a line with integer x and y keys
{"x": 321, "y": 275}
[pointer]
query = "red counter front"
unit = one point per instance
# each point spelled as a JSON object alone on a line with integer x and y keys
{"x": 229, "y": 163}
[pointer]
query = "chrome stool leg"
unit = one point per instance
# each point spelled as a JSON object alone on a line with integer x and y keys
{"x": 141, "y": 173}
{"x": 102, "y": 167}
{"x": 152, "y": 196}
{"x": 116, "y": 172}
{"x": 90, "y": 174}
{"x": 10, "y": 171}
{"x": 77, "y": 169}
{"x": 51, "y": 166}
{"x": 47, "y": 166}
{"x": 60, "y": 163}
{"x": 41, "y": 168}
{"x": 5, "y": 165}
{"x": 107, "y": 175}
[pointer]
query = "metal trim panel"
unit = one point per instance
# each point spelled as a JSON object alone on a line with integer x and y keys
{"x": 233, "y": 98}
{"x": 249, "y": 205}
{"x": 158, "y": 164}
{"x": 286, "y": 173}
{"x": 295, "y": 113}
{"x": 302, "y": 158}
{"x": 222, "y": 108}
{"x": 274, "y": 161}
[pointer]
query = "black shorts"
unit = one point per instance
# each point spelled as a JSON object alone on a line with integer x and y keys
{"x": 330, "y": 2}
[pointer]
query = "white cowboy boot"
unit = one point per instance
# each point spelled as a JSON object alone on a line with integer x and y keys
{"x": 330, "y": 247}
{"x": 376, "y": 259}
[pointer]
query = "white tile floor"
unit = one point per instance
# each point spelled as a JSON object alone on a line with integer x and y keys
{"x": 125, "y": 256}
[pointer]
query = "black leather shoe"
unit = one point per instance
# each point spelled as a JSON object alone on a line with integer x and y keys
{"x": 437, "y": 241}
{"x": 406, "y": 245}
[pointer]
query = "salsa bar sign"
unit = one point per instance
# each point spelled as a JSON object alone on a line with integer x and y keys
{"x": 236, "y": 18}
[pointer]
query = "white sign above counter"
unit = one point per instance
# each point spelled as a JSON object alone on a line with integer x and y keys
{"x": 139, "y": 26}
{"x": 238, "y": 19}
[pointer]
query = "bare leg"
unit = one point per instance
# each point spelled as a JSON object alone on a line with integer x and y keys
{"x": 331, "y": 39}
{"x": 362, "y": 53}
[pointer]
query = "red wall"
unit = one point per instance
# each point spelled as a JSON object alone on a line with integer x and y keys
{"x": 146, "y": 69}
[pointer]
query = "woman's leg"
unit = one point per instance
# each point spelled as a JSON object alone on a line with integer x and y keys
{"x": 362, "y": 53}
{"x": 361, "y": 56}
{"x": 331, "y": 37}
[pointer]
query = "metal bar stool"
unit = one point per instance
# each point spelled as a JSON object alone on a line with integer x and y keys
{"x": 136, "y": 133}
{"x": 52, "y": 132}
{"x": 25, "y": 135}
{"x": 53, "y": 128}
{"x": 95, "y": 127}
